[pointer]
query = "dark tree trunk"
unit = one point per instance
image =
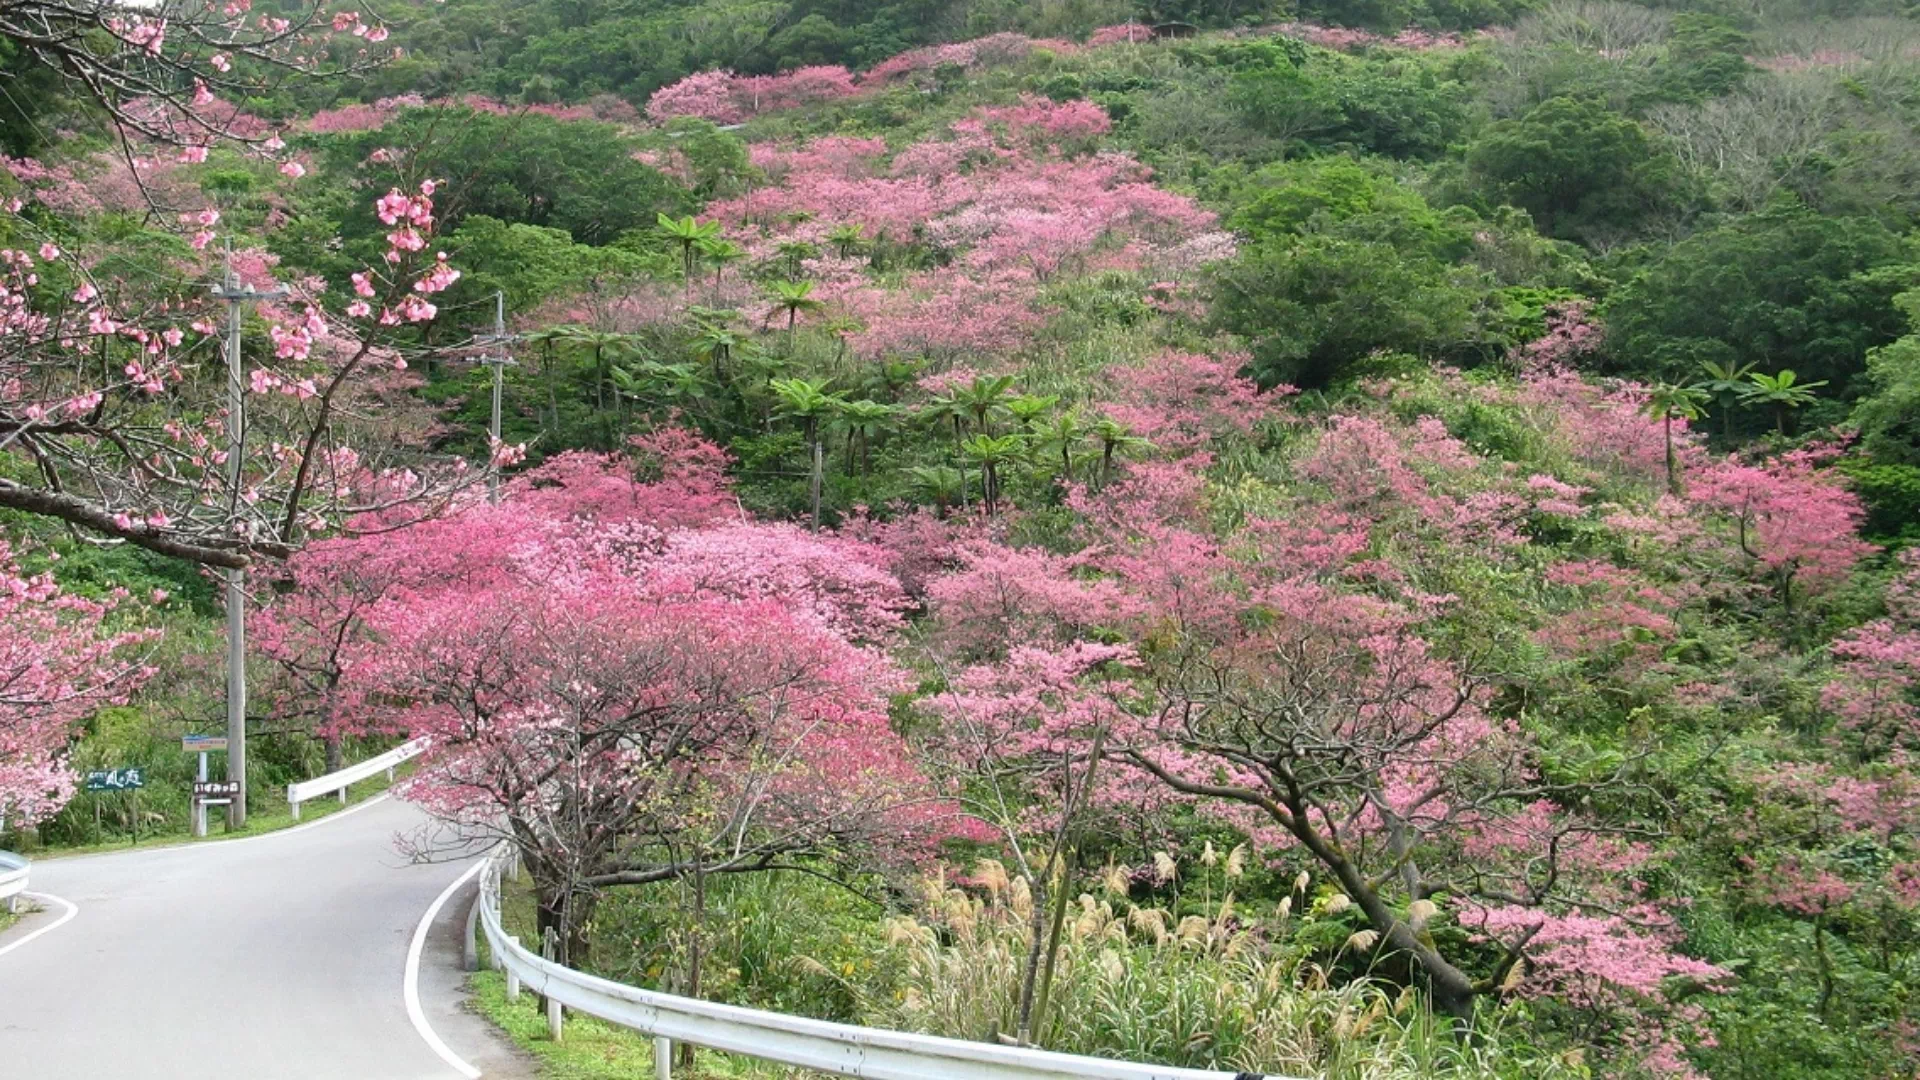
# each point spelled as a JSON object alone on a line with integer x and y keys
{"x": 1030, "y": 974}
{"x": 819, "y": 471}
{"x": 568, "y": 920}
{"x": 1673, "y": 461}
{"x": 696, "y": 944}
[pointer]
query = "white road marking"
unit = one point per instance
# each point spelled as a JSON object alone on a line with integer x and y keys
{"x": 72, "y": 910}
{"x": 410, "y": 985}
{"x": 335, "y": 816}
{"x": 218, "y": 843}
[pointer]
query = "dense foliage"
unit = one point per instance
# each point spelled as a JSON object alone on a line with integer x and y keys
{"x": 1238, "y": 543}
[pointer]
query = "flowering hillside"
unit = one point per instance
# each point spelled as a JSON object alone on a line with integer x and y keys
{"x": 1253, "y": 544}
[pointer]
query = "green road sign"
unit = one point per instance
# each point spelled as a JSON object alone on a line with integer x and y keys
{"x": 116, "y": 779}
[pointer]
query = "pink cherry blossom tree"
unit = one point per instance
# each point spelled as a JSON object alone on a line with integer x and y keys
{"x": 619, "y": 676}
{"x": 1028, "y": 734}
{"x": 620, "y": 738}
{"x": 1877, "y": 668}
{"x": 1794, "y": 521}
{"x": 159, "y": 73}
{"x": 1296, "y": 694}
{"x": 60, "y": 659}
{"x": 320, "y": 616}
{"x": 117, "y": 399}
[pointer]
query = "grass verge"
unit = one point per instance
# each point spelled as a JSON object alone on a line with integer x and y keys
{"x": 258, "y": 824}
{"x": 590, "y": 1049}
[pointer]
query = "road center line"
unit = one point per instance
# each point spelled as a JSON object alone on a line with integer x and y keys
{"x": 410, "y": 985}
{"x": 72, "y": 910}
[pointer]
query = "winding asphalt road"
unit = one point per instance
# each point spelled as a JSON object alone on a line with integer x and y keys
{"x": 279, "y": 957}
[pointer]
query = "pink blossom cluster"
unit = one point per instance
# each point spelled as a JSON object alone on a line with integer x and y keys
{"x": 997, "y": 595}
{"x": 1348, "y": 39}
{"x": 1182, "y": 401}
{"x": 944, "y": 313}
{"x": 1603, "y": 425}
{"x": 980, "y": 52}
{"x": 1571, "y": 334}
{"x": 1612, "y": 605}
{"x": 1554, "y": 496}
{"x": 611, "y": 599}
{"x": 358, "y": 116}
{"x": 1025, "y": 210}
{"x": 104, "y": 182}
{"x": 1375, "y": 470}
{"x": 147, "y": 35}
{"x": 350, "y": 22}
{"x": 1791, "y": 517}
{"x": 1129, "y": 33}
{"x": 725, "y": 98}
{"x": 1044, "y": 120}
{"x": 1030, "y": 710}
{"x": 60, "y": 660}
{"x": 1877, "y": 664}
{"x": 305, "y": 343}
{"x": 1605, "y": 962}
{"x": 1833, "y": 806}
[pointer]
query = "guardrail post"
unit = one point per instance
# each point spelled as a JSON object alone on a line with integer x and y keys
{"x": 491, "y": 898}
{"x": 662, "y": 1058}
{"x": 470, "y": 945}
{"x": 296, "y": 809}
{"x": 548, "y": 948}
{"x": 513, "y": 978}
{"x": 343, "y": 796}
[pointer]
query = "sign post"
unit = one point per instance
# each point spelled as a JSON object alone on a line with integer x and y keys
{"x": 129, "y": 780}
{"x": 202, "y": 744}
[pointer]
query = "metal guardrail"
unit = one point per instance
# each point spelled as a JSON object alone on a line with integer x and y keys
{"x": 13, "y": 878}
{"x": 338, "y": 781}
{"x": 820, "y": 1045}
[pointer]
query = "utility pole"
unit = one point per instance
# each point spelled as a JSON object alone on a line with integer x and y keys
{"x": 236, "y": 296}
{"x": 498, "y": 361}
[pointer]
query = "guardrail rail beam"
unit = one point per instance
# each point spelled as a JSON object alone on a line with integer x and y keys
{"x": 341, "y": 779}
{"x": 819, "y": 1045}
{"x": 13, "y": 879}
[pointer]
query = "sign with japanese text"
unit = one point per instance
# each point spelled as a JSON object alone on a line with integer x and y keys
{"x": 116, "y": 779}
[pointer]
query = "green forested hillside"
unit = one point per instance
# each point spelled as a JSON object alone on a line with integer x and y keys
{"x": 1342, "y": 539}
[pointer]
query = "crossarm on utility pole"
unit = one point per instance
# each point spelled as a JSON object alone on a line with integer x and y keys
{"x": 499, "y": 362}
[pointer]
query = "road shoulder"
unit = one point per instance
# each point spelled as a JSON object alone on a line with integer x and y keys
{"x": 446, "y": 998}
